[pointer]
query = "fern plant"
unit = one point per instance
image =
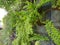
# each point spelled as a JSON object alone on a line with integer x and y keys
{"x": 53, "y": 32}
{"x": 27, "y": 18}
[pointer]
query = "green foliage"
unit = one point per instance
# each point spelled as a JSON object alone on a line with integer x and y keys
{"x": 56, "y": 3}
{"x": 23, "y": 21}
{"x": 21, "y": 18}
{"x": 27, "y": 18}
{"x": 6, "y": 3}
{"x": 4, "y": 37}
{"x": 38, "y": 37}
{"x": 53, "y": 32}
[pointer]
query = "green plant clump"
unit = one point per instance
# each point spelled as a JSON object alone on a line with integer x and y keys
{"x": 27, "y": 18}
{"x": 53, "y": 33}
{"x": 21, "y": 18}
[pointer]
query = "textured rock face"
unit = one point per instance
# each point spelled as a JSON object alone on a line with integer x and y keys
{"x": 46, "y": 43}
{"x": 40, "y": 29}
{"x": 54, "y": 16}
